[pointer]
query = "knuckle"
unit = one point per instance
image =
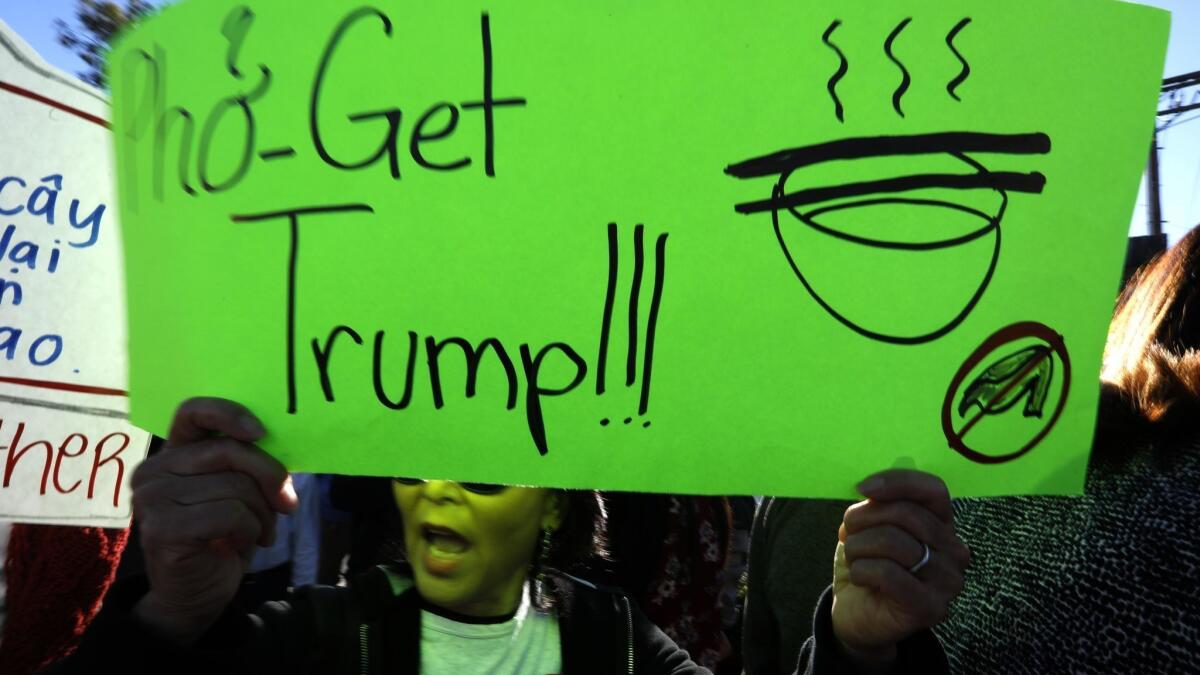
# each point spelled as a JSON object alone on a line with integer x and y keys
{"x": 894, "y": 577}
{"x": 153, "y": 531}
{"x": 856, "y": 513}
{"x": 237, "y": 520}
{"x": 898, "y": 537}
{"x": 241, "y": 484}
{"x": 144, "y": 471}
{"x": 851, "y": 517}
{"x": 907, "y": 517}
{"x": 141, "y": 507}
{"x": 246, "y": 514}
{"x": 917, "y": 524}
{"x": 147, "y": 496}
{"x": 861, "y": 572}
{"x": 934, "y": 525}
{"x": 219, "y": 447}
{"x": 941, "y": 493}
{"x": 236, "y": 510}
{"x": 852, "y": 546}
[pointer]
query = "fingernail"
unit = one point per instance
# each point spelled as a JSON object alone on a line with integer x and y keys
{"x": 253, "y": 426}
{"x": 872, "y": 484}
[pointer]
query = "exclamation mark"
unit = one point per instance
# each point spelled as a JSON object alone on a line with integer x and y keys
{"x": 634, "y": 292}
{"x": 606, "y": 324}
{"x": 631, "y": 363}
{"x": 660, "y": 270}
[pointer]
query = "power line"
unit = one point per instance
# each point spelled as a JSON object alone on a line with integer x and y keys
{"x": 1172, "y": 89}
{"x": 1179, "y": 122}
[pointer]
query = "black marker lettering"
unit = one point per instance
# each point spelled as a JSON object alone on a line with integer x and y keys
{"x": 660, "y": 271}
{"x": 535, "y": 391}
{"x": 473, "y": 355}
{"x": 419, "y": 136}
{"x": 489, "y": 102}
{"x": 392, "y": 115}
{"x": 293, "y": 216}
{"x": 322, "y": 356}
{"x": 377, "y": 372}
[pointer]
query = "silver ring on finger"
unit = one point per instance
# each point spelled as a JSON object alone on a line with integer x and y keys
{"x": 923, "y": 562}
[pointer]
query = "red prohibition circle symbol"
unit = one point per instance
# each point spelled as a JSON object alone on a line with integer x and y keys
{"x": 1050, "y": 343}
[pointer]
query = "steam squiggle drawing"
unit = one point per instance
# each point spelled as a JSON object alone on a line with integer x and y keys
{"x": 887, "y": 49}
{"x": 966, "y": 66}
{"x": 841, "y": 71}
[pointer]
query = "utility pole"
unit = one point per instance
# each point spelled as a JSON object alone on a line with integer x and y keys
{"x": 1173, "y": 101}
{"x": 1154, "y": 188}
{"x": 1173, "y": 91}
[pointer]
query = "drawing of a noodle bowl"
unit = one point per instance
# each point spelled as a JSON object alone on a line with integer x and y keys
{"x": 895, "y": 237}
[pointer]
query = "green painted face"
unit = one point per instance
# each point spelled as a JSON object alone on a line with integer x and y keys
{"x": 471, "y": 552}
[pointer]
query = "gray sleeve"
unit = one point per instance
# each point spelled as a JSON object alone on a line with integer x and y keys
{"x": 760, "y": 631}
{"x": 791, "y": 564}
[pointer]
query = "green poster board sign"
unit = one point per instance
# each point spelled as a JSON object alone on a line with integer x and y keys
{"x": 659, "y": 246}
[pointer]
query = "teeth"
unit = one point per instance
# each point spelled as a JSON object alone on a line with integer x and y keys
{"x": 446, "y": 545}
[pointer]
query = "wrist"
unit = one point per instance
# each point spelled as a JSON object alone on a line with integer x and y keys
{"x": 869, "y": 659}
{"x": 178, "y": 627}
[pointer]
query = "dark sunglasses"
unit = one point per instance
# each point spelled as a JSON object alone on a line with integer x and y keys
{"x": 477, "y": 488}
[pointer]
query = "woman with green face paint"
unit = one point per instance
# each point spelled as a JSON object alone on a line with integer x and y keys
{"x": 470, "y": 544}
{"x": 481, "y": 590}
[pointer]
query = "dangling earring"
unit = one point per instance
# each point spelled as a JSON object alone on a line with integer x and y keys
{"x": 543, "y": 556}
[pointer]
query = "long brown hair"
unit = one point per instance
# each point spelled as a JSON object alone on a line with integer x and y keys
{"x": 1152, "y": 358}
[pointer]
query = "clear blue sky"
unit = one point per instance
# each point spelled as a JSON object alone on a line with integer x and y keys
{"x": 1180, "y": 156}
{"x": 34, "y": 21}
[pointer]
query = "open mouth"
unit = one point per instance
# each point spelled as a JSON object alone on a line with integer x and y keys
{"x": 443, "y": 542}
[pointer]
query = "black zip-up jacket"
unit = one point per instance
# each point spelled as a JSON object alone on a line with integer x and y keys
{"x": 367, "y": 629}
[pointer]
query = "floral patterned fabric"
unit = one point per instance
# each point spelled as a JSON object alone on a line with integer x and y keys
{"x": 684, "y": 600}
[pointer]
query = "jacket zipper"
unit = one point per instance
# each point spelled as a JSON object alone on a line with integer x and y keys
{"x": 628, "y": 631}
{"x": 363, "y": 660}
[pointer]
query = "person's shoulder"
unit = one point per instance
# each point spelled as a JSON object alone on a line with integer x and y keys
{"x": 369, "y": 594}
{"x": 381, "y": 586}
{"x": 580, "y": 587}
{"x": 1164, "y": 469}
{"x": 577, "y": 598}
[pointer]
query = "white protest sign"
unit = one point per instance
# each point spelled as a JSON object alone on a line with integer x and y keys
{"x": 66, "y": 449}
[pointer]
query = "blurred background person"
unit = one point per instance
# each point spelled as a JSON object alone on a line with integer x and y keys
{"x": 291, "y": 561}
{"x": 1107, "y": 582}
{"x": 789, "y": 557}
{"x": 336, "y": 534}
{"x": 669, "y": 553}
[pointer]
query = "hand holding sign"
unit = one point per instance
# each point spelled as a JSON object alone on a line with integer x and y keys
{"x": 898, "y": 563}
{"x": 204, "y": 503}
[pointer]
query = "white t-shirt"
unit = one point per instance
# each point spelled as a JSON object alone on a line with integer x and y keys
{"x": 526, "y": 644}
